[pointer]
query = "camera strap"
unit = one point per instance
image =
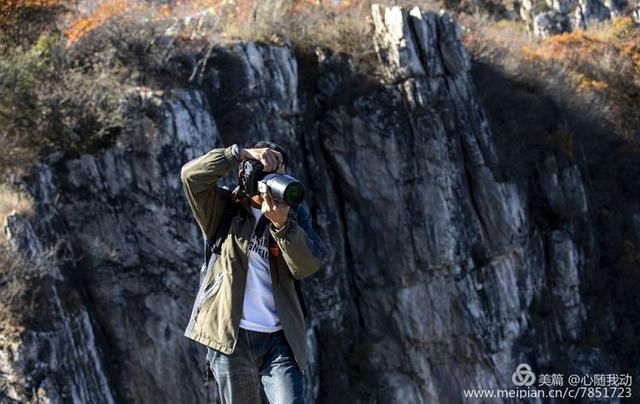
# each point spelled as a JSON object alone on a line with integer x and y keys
{"x": 260, "y": 226}
{"x": 229, "y": 211}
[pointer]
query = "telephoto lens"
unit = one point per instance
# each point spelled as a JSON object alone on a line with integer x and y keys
{"x": 284, "y": 188}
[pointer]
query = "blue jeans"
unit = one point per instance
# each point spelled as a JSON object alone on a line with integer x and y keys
{"x": 260, "y": 369}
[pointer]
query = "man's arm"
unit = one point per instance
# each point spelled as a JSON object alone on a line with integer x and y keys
{"x": 302, "y": 249}
{"x": 199, "y": 182}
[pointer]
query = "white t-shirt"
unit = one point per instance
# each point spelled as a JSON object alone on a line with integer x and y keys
{"x": 258, "y": 306}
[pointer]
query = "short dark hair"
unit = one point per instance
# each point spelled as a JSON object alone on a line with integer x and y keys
{"x": 273, "y": 146}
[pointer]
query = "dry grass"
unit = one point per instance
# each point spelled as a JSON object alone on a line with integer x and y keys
{"x": 21, "y": 290}
{"x": 12, "y": 201}
{"x": 596, "y": 71}
{"x": 25, "y": 291}
{"x": 342, "y": 26}
{"x": 347, "y": 30}
{"x": 492, "y": 40}
{"x": 26, "y": 278}
{"x": 13, "y": 286}
{"x": 15, "y": 270}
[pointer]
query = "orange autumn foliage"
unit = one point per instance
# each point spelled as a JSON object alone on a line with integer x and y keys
{"x": 101, "y": 14}
{"x": 586, "y": 51}
{"x": 232, "y": 12}
{"x": 596, "y": 70}
{"x": 604, "y": 63}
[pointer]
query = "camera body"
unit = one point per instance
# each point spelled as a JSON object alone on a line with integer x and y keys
{"x": 284, "y": 188}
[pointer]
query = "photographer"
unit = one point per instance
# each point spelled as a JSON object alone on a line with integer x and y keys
{"x": 248, "y": 310}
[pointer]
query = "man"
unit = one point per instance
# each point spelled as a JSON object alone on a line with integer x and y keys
{"x": 247, "y": 311}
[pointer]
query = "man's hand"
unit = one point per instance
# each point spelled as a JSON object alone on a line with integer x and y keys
{"x": 276, "y": 212}
{"x": 270, "y": 159}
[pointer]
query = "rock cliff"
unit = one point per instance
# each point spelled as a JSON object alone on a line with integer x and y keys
{"x": 444, "y": 273}
{"x": 556, "y": 16}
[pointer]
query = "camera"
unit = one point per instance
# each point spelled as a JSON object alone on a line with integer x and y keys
{"x": 284, "y": 188}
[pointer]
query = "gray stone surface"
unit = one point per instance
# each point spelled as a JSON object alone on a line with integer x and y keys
{"x": 558, "y": 16}
{"x": 550, "y": 23}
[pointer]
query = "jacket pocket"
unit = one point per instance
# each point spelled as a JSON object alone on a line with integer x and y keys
{"x": 213, "y": 287}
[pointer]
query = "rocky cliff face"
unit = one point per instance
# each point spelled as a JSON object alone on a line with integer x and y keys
{"x": 556, "y": 16}
{"x": 444, "y": 272}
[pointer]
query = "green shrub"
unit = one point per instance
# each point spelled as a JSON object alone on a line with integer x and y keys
{"x": 46, "y": 102}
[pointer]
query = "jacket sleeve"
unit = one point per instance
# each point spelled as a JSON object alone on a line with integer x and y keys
{"x": 302, "y": 249}
{"x": 199, "y": 181}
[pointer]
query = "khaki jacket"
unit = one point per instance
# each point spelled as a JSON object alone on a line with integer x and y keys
{"x": 216, "y": 313}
